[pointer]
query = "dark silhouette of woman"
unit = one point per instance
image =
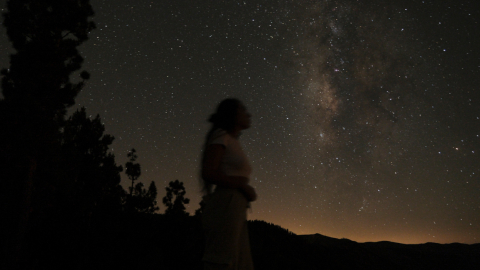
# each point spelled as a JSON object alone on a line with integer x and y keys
{"x": 225, "y": 174}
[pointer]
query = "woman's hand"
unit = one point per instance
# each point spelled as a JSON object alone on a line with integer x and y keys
{"x": 249, "y": 192}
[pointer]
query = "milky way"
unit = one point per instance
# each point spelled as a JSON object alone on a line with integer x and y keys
{"x": 372, "y": 119}
{"x": 358, "y": 83}
{"x": 365, "y": 116}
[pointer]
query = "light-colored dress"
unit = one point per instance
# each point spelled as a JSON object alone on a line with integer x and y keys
{"x": 225, "y": 212}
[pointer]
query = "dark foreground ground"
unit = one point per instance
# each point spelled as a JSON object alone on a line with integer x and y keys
{"x": 158, "y": 242}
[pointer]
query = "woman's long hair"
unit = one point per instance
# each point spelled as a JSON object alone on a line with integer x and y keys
{"x": 225, "y": 117}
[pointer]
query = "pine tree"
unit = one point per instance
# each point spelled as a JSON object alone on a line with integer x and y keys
{"x": 199, "y": 211}
{"x": 175, "y": 207}
{"x": 37, "y": 91}
{"x": 144, "y": 201}
{"x": 92, "y": 181}
{"x": 139, "y": 200}
{"x": 152, "y": 198}
{"x": 132, "y": 169}
{"x": 45, "y": 35}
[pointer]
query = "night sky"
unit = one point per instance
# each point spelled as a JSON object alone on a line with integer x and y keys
{"x": 365, "y": 113}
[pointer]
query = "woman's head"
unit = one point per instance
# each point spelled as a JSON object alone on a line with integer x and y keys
{"x": 230, "y": 112}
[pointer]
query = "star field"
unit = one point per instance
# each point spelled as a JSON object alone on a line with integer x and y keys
{"x": 365, "y": 116}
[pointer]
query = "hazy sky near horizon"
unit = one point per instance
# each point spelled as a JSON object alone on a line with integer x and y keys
{"x": 365, "y": 114}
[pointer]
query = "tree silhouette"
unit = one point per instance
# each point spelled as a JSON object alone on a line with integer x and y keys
{"x": 45, "y": 34}
{"x": 132, "y": 169}
{"x": 199, "y": 211}
{"x": 144, "y": 201}
{"x": 175, "y": 207}
{"x": 152, "y": 198}
{"x": 94, "y": 176}
{"x": 37, "y": 91}
{"x": 139, "y": 200}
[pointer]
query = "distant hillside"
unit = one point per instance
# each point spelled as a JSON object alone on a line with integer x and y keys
{"x": 389, "y": 255}
{"x": 276, "y": 248}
